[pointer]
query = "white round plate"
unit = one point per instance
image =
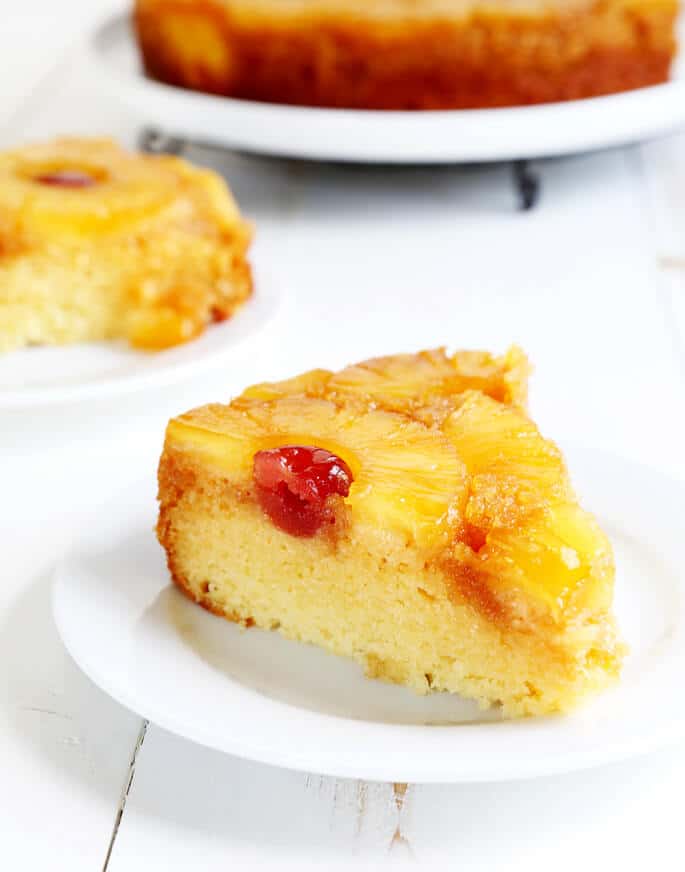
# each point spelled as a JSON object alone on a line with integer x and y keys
{"x": 259, "y": 696}
{"x": 42, "y": 376}
{"x": 476, "y": 135}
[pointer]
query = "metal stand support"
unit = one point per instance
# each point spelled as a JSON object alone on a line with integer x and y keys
{"x": 153, "y": 141}
{"x": 528, "y": 185}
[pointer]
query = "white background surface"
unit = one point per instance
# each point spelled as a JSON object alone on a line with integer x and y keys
{"x": 591, "y": 283}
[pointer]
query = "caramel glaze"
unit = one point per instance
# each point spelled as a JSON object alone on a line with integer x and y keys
{"x": 466, "y": 583}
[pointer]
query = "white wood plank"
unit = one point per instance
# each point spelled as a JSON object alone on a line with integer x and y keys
{"x": 193, "y": 808}
{"x": 618, "y": 817}
{"x": 673, "y": 283}
{"x": 35, "y": 36}
{"x": 663, "y": 168}
{"x": 21, "y": 70}
{"x": 64, "y": 745}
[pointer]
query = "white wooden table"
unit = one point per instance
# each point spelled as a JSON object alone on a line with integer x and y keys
{"x": 591, "y": 283}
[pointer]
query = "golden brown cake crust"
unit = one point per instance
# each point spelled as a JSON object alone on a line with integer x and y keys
{"x": 174, "y": 479}
{"x": 487, "y": 58}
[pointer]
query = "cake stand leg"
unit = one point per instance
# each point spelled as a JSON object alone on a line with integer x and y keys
{"x": 154, "y": 141}
{"x": 527, "y": 184}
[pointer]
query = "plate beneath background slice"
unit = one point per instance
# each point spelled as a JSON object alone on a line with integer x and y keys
{"x": 465, "y": 136}
{"x": 91, "y": 370}
{"x": 258, "y": 696}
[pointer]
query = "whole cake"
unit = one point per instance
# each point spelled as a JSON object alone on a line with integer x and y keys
{"x": 408, "y": 54}
{"x": 98, "y": 243}
{"x": 404, "y": 512}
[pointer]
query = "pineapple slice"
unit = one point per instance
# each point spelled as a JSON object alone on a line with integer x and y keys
{"x": 427, "y": 385}
{"x": 407, "y": 382}
{"x": 560, "y": 556}
{"x": 521, "y": 516}
{"x": 311, "y": 384}
{"x": 407, "y": 479}
{"x": 500, "y": 443}
{"x": 121, "y": 189}
{"x": 114, "y": 190}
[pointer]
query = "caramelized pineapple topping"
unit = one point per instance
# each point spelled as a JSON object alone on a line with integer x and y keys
{"x": 437, "y": 450}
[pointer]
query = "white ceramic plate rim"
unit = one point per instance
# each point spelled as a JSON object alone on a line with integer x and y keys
{"x": 477, "y": 135}
{"x": 275, "y": 732}
{"x": 165, "y": 367}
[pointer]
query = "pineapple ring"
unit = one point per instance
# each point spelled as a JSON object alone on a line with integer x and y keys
{"x": 481, "y": 428}
{"x": 427, "y": 385}
{"x": 412, "y": 381}
{"x": 126, "y": 187}
{"x": 406, "y": 476}
{"x": 530, "y": 532}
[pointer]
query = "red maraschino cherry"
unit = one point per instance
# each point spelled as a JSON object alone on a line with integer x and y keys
{"x": 294, "y": 483}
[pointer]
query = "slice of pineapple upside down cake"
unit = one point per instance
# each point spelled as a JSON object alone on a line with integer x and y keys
{"x": 404, "y": 512}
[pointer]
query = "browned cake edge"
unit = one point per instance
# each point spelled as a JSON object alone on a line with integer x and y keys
{"x": 487, "y": 60}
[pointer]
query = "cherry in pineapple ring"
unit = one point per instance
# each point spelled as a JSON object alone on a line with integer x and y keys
{"x": 294, "y": 483}
{"x": 66, "y": 179}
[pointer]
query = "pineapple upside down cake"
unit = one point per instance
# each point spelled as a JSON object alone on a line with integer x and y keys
{"x": 100, "y": 243}
{"x": 408, "y": 54}
{"x": 404, "y": 512}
